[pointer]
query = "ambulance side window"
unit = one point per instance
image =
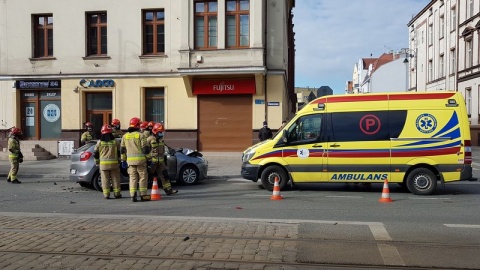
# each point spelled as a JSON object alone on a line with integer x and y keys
{"x": 306, "y": 129}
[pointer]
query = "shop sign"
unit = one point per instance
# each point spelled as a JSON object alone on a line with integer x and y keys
{"x": 51, "y": 113}
{"x": 96, "y": 83}
{"x": 224, "y": 87}
{"x": 273, "y": 103}
{"x": 259, "y": 101}
{"x": 38, "y": 84}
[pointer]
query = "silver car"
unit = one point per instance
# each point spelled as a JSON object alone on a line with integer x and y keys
{"x": 185, "y": 166}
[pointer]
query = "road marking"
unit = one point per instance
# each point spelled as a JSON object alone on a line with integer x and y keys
{"x": 354, "y": 197}
{"x": 428, "y": 198}
{"x": 390, "y": 255}
{"x": 471, "y": 226}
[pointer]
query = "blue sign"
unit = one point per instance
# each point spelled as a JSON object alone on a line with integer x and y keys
{"x": 273, "y": 103}
{"x": 259, "y": 101}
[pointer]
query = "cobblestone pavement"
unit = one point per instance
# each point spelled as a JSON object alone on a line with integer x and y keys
{"x": 45, "y": 241}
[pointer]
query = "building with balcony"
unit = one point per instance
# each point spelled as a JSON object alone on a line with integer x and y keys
{"x": 444, "y": 53}
{"x": 211, "y": 70}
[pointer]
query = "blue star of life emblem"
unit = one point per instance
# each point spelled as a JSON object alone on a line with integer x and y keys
{"x": 426, "y": 123}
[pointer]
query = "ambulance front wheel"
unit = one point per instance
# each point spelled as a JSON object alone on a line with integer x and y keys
{"x": 269, "y": 174}
{"x": 421, "y": 181}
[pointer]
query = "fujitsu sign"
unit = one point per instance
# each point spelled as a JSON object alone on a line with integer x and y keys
{"x": 224, "y": 87}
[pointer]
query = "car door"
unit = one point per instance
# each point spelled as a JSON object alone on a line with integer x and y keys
{"x": 358, "y": 146}
{"x": 304, "y": 149}
{"x": 170, "y": 159}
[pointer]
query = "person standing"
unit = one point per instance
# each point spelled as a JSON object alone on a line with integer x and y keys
{"x": 117, "y": 132}
{"x": 88, "y": 135}
{"x": 106, "y": 155}
{"x": 15, "y": 156}
{"x": 265, "y": 132}
{"x": 148, "y": 130}
{"x": 135, "y": 156}
{"x": 157, "y": 146}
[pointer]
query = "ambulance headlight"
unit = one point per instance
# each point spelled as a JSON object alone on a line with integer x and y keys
{"x": 248, "y": 155}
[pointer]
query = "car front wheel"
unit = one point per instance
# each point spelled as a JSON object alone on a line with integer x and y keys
{"x": 189, "y": 175}
{"x": 269, "y": 175}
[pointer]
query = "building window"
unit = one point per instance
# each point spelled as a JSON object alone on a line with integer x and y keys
{"x": 43, "y": 36}
{"x": 453, "y": 17}
{"x": 430, "y": 34}
{"x": 153, "y": 32}
{"x": 453, "y": 62}
{"x": 430, "y": 70}
{"x": 468, "y": 53}
{"x": 206, "y": 28}
{"x": 237, "y": 19}
{"x": 441, "y": 29}
{"x": 155, "y": 104}
{"x": 97, "y": 34}
{"x": 470, "y": 8}
{"x": 441, "y": 66}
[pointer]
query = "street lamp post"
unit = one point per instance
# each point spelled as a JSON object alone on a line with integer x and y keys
{"x": 409, "y": 53}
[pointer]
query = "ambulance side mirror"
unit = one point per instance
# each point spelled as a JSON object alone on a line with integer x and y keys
{"x": 285, "y": 137}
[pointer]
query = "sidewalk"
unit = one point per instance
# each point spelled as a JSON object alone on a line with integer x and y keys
{"x": 220, "y": 165}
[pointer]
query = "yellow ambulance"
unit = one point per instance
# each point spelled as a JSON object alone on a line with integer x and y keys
{"x": 414, "y": 139}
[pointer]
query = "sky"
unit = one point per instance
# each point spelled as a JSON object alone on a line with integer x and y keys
{"x": 332, "y": 35}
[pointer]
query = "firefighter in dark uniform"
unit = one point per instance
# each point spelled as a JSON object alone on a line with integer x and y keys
{"x": 135, "y": 156}
{"x": 88, "y": 135}
{"x": 117, "y": 132}
{"x": 157, "y": 145}
{"x": 106, "y": 155}
{"x": 15, "y": 155}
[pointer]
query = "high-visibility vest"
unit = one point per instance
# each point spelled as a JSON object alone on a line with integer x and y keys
{"x": 134, "y": 142}
{"x": 107, "y": 154}
{"x": 13, "y": 148}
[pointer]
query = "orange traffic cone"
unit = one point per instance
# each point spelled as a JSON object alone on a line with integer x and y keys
{"x": 385, "y": 193}
{"x": 276, "y": 191}
{"x": 155, "y": 195}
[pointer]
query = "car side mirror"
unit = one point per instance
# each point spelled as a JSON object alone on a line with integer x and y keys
{"x": 285, "y": 137}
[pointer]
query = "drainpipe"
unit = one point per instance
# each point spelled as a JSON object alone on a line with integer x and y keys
{"x": 265, "y": 38}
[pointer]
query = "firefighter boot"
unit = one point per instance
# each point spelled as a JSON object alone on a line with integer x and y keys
{"x": 134, "y": 197}
{"x": 145, "y": 198}
{"x": 16, "y": 181}
{"x": 8, "y": 179}
{"x": 171, "y": 191}
{"x": 117, "y": 195}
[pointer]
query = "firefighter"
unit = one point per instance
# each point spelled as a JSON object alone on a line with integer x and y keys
{"x": 148, "y": 131}
{"x": 88, "y": 135}
{"x": 15, "y": 156}
{"x": 135, "y": 156}
{"x": 143, "y": 126}
{"x": 157, "y": 145}
{"x": 106, "y": 155}
{"x": 117, "y": 132}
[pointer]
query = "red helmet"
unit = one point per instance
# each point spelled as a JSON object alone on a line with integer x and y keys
{"x": 144, "y": 125}
{"x": 150, "y": 124}
{"x": 16, "y": 131}
{"x": 115, "y": 122}
{"x": 88, "y": 124}
{"x": 106, "y": 129}
{"x": 158, "y": 127}
{"x": 135, "y": 122}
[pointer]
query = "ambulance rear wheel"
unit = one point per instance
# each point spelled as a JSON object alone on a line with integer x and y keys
{"x": 269, "y": 174}
{"x": 421, "y": 181}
